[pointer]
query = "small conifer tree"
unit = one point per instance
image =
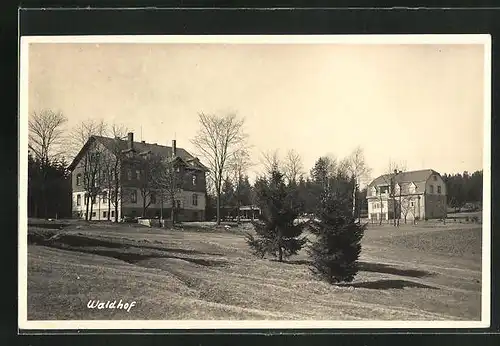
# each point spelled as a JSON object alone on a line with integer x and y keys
{"x": 278, "y": 232}
{"x": 337, "y": 247}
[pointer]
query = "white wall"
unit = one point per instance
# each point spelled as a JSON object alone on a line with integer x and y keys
{"x": 99, "y": 207}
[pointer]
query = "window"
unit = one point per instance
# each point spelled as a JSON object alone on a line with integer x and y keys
{"x": 194, "y": 180}
{"x": 439, "y": 189}
{"x": 78, "y": 179}
{"x": 411, "y": 188}
{"x": 104, "y": 214}
{"x": 431, "y": 189}
{"x": 384, "y": 189}
{"x": 178, "y": 204}
{"x": 93, "y": 213}
{"x": 129, "y": 174}
{"x": 434, "y": 177}
{"x": 85, "y": 199}
{"x": 105, "y": 197}
{"x": 133, "y": 196}
{"x": 412, "y": 204}
{"x": 177, "y": 169}
{"x": 382, "y": 205}
{"x": 138, "y": 174}
{"x": 78, "y": 199}
{"x": 94, "y": 200}
{"x": 112, "y": 213}
{"x": 152, "y": 198}
{"x": 195, "y": 199}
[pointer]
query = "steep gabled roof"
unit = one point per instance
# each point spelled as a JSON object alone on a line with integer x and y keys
{"x": 404, "y": 179}
{"x": 140, "y": 147}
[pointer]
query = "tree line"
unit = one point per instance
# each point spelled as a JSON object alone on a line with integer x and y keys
{"x": 335, "y": 242}
{"x": 464, "y": 189}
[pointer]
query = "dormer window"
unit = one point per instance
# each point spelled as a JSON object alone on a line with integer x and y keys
{"x": 411, "y": 188}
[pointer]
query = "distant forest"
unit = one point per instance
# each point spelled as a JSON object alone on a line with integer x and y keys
{"x": 465, "y": 191}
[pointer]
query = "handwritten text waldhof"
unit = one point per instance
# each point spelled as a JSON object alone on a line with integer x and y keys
{"x": 93, "y": 304}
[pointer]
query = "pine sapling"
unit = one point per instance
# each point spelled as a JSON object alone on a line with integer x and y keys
{"x": 337, "y": 247}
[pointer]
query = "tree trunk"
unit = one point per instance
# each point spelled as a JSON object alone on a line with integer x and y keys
{"x": 238, "y": 217}
{"x": 161, "y": 210}
{"x": 87, "y": 197}
{"x": 280, "y": 249}
{"x": 109, "y": 205}
{"x": 116, "y": 199}
{"x": 172, "y": 212}
{"x": 91, "y": 208}
{"x": 218, "y": 208}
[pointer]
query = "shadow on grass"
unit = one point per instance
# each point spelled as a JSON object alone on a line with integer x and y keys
{"x": 387, "y": 284}
{"x": 374, "y": 267}
{"x": 134, "y": 258}
{"x": 387, "y": 269}
{"x": 121, "y": 251}
{"x": 52, "y": 239}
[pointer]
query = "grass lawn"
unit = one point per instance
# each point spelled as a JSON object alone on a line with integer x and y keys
{"x": 410, "y": 273}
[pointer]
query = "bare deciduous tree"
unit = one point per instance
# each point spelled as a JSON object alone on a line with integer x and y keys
{"x": 406, "y": 205}
{"x": 238, "y": 165}
{"x": 46, "y": 134}
{"x": 394, "y": 169}
{"x": 271, "y": 161}
{"x": 293, "y": 167}
{"x": 218, "y": 138}
{"x": 112, "y": 168}
{"x": 356, "y": 167}
{"x": 166, "y": 183}
{"x": 92, "y": 162}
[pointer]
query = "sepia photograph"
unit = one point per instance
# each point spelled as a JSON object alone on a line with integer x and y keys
{"x": 190, "y": 182}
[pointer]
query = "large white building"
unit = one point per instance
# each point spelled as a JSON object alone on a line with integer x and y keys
{"x": 190, "y": 198}
{"x": 409, "y": 195}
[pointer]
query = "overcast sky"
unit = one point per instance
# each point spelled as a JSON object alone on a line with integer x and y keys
{"x": 421, "y": 104}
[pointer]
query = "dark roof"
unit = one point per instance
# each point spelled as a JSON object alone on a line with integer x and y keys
{"x": 404, "y": 179}
{"x": 140, "y": 147}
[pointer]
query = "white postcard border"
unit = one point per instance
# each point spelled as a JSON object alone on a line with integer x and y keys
{"x": 468, "y": 39}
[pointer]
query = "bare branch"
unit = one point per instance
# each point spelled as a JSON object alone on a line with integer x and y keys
{"x": 293, "y": 167}
{"x": 218, "y": 140}
{"x": 46, "y": 134}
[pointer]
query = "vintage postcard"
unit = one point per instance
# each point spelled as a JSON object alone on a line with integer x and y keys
{"x": 243, "y": 182}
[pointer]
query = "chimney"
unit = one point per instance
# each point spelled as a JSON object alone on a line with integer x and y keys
{"x": 174, "y": 148}
{"x": 130, "y": 140}
{"x": 395, "y": 171}
{"x": 143, "y": 142}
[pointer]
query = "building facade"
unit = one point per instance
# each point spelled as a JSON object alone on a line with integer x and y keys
{"x": 413, "y": 195}
{"x": 114, "y": 176}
